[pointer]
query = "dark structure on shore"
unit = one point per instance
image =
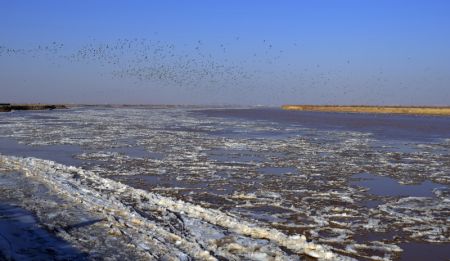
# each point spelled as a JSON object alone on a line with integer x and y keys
{"x": 5, "y": 107}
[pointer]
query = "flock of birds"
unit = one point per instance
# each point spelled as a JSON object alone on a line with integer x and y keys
{"x": 48, "y": 49}
{"x": 154, "y": 60}
{"x": 200, "y": 65}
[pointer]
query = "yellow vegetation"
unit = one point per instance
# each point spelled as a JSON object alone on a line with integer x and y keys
{"x": 442, "y": 111}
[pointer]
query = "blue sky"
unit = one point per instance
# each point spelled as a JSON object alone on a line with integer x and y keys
{"x": 227, "y": 52}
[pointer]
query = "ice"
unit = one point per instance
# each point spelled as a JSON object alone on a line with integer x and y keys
{"x": 126, "y": 209}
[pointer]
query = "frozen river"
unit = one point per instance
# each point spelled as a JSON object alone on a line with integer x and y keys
{"x": 362, "y": 186}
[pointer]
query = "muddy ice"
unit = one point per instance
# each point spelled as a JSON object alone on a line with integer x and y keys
{"x": 204, "y": 185}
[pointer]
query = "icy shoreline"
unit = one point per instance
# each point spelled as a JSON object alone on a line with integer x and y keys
{"x": 163, "y": 226}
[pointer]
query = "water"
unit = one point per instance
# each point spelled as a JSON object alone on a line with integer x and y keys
{"x": 385, "y": 186}
{"x": 425, "y": 251}
{"x": 240, "y": 156}
{"x": 385, "y": 126}
{"x": 60, "y": 153}
{"x": 292, "y": 171}
{"x": 21, "y": 238}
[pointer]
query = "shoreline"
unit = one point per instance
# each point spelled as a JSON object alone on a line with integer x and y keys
{"x": 6, "y": 107}
{"x": 411, "y": 110}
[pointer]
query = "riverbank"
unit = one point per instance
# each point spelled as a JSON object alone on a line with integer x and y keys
{"x": 419, "y": 110}
{"x": 6, "y": 107}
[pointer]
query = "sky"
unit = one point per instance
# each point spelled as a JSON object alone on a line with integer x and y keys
{"x": 225, "y": 52}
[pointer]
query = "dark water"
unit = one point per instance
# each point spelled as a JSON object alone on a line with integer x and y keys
{"x": 59, "y": 153}
{"x": 385, "y": 186}
{"x": 384, "y": 126}
{"x": 21, "y": 238}
{"x": 240, "y": 156}
{"x": 425, "y": 251}
{"x": 64, "y": 154}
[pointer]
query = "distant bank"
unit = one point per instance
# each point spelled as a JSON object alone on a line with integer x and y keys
{"x": 5, "y": 107}
{"x": 417, "y": 110}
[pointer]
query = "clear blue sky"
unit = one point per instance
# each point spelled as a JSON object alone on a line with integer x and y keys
{"x": 226, "y": 52}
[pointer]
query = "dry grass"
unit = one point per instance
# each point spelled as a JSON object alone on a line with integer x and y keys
{"x": 417, "y": 110}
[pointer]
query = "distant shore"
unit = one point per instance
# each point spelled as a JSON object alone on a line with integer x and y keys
{"x": 414, "y": 110}
{"x": 5, "y": 107}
